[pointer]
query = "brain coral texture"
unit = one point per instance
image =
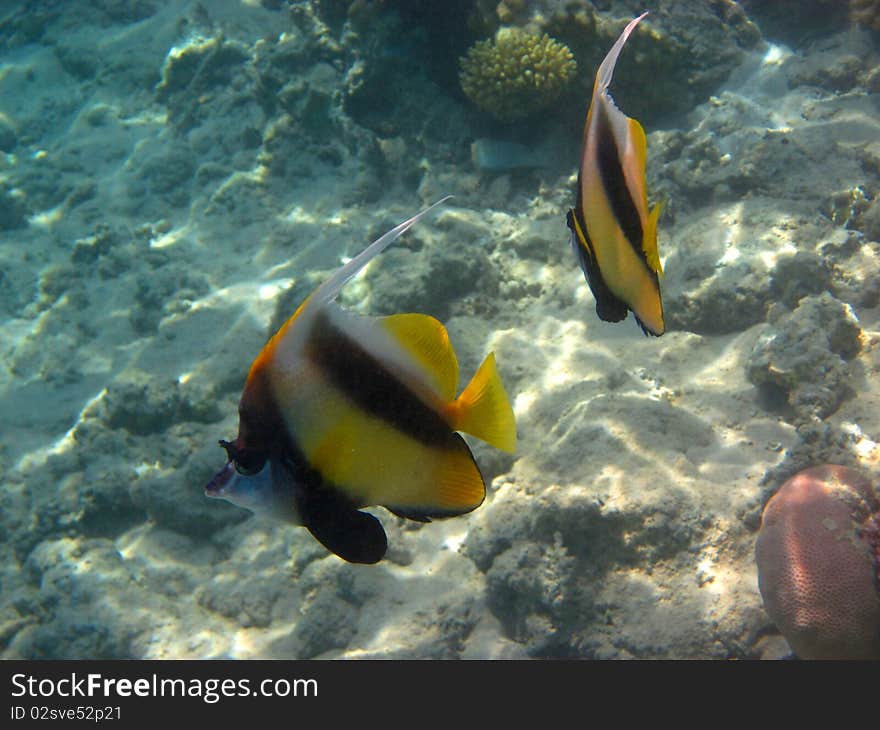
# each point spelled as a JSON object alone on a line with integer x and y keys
{"x": 817, "y": 564}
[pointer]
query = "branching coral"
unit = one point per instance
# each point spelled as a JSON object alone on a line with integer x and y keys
{"x": 517, "y": 74}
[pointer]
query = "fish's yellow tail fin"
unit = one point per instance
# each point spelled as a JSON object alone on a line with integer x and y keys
{"x": 650, "y": 240}
{"x": 483, "y": 409}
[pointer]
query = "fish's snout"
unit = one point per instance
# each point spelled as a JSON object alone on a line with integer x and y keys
{"x": 217, "y": 486}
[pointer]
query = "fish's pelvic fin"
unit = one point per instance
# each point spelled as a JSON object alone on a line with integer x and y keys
{"x": 355, "y": 536}
{"x": 639, "y": 141}
{"x": 483, "y": 409}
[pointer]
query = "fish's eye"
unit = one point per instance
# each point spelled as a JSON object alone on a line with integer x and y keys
{"x": 248, "y": 462}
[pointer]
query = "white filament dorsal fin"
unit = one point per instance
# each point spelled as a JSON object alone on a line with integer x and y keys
{"x": 329, "y": 290}
{"x": 606, "y": 70}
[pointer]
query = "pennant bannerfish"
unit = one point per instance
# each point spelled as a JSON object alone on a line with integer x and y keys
{"x": 342, "y": 411}
{"x": 613, "y": 233}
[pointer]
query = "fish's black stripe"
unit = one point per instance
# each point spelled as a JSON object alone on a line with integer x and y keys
{"x": 614, "y": 183}
{"x": 370, "y": 385}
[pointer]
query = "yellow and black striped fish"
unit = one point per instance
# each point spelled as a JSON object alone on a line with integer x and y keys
{"x": 342, "y": 411}
{"x": 613, "y": 232}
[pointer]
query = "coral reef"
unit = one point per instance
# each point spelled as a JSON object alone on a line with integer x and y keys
{"x": 797, "y": 21}
{"x": 866, "y": 12}
{"x": 804, "y": 357}
{"x": 817, "y": 563}
{"x": 517, "y": 74}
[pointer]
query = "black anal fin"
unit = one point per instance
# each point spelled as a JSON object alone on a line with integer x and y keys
{"x": 608, "y": 307}
{"x": 355, "y": 536}
{"x": 409, "y": 514}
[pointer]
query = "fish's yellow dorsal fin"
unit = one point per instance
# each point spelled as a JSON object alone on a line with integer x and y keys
{"x": 483, "y": 409}
{"x": 427, "y": 341}
{"x": 649, "y": 244}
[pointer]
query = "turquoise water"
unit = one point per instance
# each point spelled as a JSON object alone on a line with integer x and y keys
{"x": 176, "y": 177}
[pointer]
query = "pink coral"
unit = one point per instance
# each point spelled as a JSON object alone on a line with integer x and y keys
{"x": 817, "y": 555}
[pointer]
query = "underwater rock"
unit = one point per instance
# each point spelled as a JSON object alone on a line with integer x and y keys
{"x": 326, "y": 623}
{"x": 78, "y": 605}
{"x": 165, "y": 290}
{"x": 819, "y": 442}
{"x": 817, "y": 554}
{"x": 248, "y": 601}
{"x": 13, "y": 210}
{"x": 197, "y": 66}
{"x": 8, "y": 134}
{"x": 830, "y": 71}
{"x": 796, "y": 21}
{"x": 547, "y": 554}
{"x": 176, "y": 499}
{"x": 142, "y": 404}
{"x": 797, "y": 276}
{"x": 105, "y": 507}
{"x": 729, "y": 299}
{"x": 90, "y": 248}
{"x": 529, "y": 588}
{"x": 167, "y": 173}
{"x": 804, "y": 357}
{"x": 432, "y": 281}
{"x": 855, "y": 270}
{"x": 333, "y": 595}
{"x": 870, "y": 220}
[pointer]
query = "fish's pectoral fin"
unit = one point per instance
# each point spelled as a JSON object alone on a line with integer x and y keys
{"x": 355, "y": 536}
{"x": 639, "y": 142}
{"x": 427, "y": 341}
{"x": 608, "y": 307}
{"x": 649, "y": 246}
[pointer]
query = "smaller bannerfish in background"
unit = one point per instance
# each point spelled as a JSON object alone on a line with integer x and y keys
{"x": 613, "y": 232}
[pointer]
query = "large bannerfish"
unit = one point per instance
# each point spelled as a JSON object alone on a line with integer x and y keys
{"x": 613, "y": 232}
{"x": 342, "y": 411}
